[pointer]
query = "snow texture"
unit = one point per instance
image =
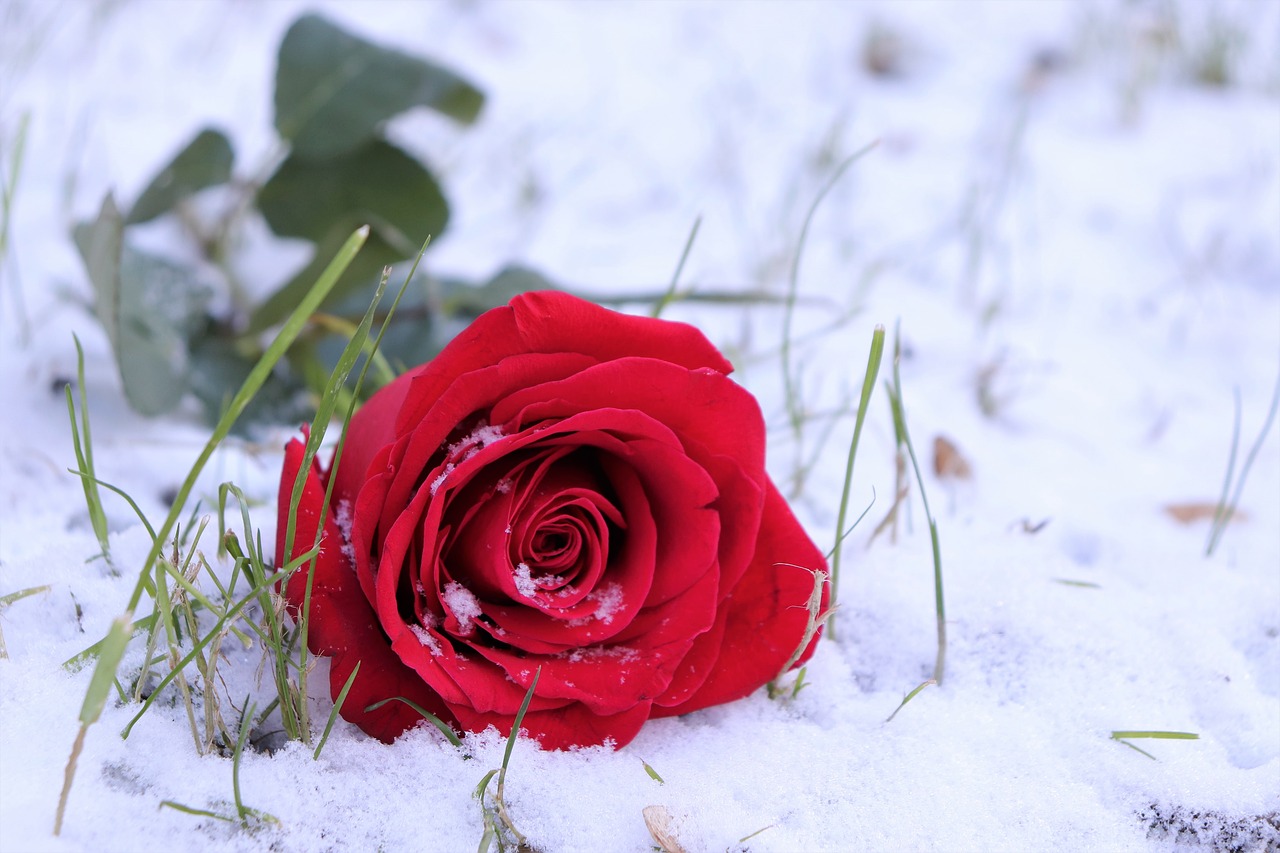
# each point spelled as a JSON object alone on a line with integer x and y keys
{"x": 1078, "y": 238}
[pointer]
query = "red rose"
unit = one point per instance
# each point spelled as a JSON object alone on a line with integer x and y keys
{"x": 565, "y": 488}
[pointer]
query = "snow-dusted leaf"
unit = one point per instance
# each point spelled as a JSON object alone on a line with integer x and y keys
{"x": 334, "y": 89}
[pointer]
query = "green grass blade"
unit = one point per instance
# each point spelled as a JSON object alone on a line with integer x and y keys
{"x": 905, "y": 699}
{"x": 110, "y": 655}
{"x": 868, "y": 386}
{"x": 355, "y": 346}
{"x": 195, "y": 812}
{"x": 82, "y": 441}
{"x": 431, "y": 718}
{"x": 670, "y": 295}
{"x": 246, "y": 725}
{"x": 199, "y": 646}
{"x": 789, "y": 308}
{"x": 515, "y": 725}
{"x": 6, "y": 600}
{"x": 252, "y": 383}
{"x": 900, "y": 425}
{"x": 337, "y": 708}
{"x": 95, "y": 699}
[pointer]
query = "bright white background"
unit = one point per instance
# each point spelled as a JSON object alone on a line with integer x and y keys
{"x": 1080, "y": 241}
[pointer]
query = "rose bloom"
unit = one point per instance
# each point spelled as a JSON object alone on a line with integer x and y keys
{"x": 563, "y": 489}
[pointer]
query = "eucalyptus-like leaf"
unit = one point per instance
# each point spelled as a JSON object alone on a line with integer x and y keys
{"x": 217, "y": 370}
{"x": 377, "y": 183}
{"x": 470, "y": 301}
{"x": 204, "y": 162}
{"x": 334, "y": 89}
{"x": 150, "y": 308}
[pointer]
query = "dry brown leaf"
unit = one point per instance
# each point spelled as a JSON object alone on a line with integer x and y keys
{"x": 1193, "y": 511}
{"x": 948, "y": 461}
{"x": 659, "y": 822}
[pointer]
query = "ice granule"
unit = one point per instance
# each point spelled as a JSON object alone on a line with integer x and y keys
{"x": 476, "y": 440}
{"x": 342, "y": 518}
{"x": 608, "y": 601}
{"x": 525, "y": 584}
{"x": 623, "y": 654}
{"x": 464, "y": 605}
{"x": 427, "y": 639}
{"x": 439, "y": 481}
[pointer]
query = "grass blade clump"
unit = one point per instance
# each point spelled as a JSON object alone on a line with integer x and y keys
{"x": 301, "y": 728}
{"x": 112, "y": 648}
{"x": 495, "y": 832}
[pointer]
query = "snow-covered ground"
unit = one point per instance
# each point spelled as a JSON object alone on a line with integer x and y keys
{"x": 1080, "y": 240}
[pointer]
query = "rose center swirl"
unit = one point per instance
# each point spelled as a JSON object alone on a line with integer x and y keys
{"x": 528, "y": 539}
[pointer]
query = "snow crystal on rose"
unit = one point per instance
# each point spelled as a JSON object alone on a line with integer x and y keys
{"x": 342, "y": 517}
{"x": 464, "y": 605}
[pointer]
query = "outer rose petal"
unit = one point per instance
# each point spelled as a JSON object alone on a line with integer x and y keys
{"x": 765, "y": 615}
{"x": 342, "y": 624}
{"x": 552, "y": 322}
{"x": 563, "y": 728}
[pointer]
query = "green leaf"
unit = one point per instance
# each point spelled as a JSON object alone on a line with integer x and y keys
{"x": 218, "y": 369}
{"x": 376, "y": 184}
{"x": 471, "y": 301}
{"x": 204, "y": 162}
{"x": 363, "y": 271}
{"x": 334, "y": 89}
{"x": 149, "y": 306}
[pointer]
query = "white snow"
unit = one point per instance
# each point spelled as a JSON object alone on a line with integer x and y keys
{"x": 1080, "y": 242}
{"x": 608, "y": 599}
{"x": 343, "y": 518}
{"x": 523, "y": 577}
{"x": 427, "y": 639}
{"x": 463, "y": 604}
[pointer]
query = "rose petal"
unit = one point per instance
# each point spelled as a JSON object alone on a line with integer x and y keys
{"x": 563, "y": 728}
{"x": 341, "y": 623}
{"x": 555, "y": 323}
{"x": 765, "y": 615}
{"x": 605, "y": 679}
{"x": 726, "y": 418}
